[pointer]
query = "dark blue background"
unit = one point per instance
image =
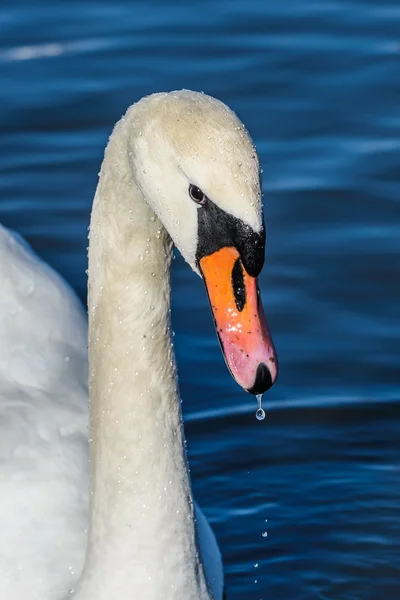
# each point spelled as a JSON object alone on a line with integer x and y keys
{"x": 318, "y": 86}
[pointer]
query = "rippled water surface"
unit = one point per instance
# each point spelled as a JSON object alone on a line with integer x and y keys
{"x": 317, "y": 84}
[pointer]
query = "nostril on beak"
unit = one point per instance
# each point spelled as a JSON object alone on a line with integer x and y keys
{"x": 263, "y": 380}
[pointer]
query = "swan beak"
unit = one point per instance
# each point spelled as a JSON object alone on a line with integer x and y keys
{"x": 239, "y": 320}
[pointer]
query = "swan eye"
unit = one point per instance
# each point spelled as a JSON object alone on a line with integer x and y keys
{"x": 197, "y": 195}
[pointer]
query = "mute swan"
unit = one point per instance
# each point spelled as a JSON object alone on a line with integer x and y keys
{"x": 179, "y": 167}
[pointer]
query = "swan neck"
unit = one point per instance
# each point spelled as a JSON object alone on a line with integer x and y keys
{"x": 142, "y": 533}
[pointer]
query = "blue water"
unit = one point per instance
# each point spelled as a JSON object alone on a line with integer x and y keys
{"x": 318, "y": 86}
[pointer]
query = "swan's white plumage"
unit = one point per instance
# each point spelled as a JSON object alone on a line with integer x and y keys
{"x": 44, "y": 432}
{"x": 44, "y": 423}
{"x": 146, "y": 538}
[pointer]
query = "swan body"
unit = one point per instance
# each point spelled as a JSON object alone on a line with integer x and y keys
{"x": 135, "y": 531}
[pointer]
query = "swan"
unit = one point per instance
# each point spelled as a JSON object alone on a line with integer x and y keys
{"x": 179, "y": 168}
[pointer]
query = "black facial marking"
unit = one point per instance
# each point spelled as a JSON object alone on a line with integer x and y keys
{"x": 239, "y": 291}
{"x": 218, "y": 229}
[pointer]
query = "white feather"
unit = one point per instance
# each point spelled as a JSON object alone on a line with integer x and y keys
{"x": 44, "y": 432}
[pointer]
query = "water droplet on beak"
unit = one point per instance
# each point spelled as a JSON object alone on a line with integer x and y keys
{"x": 260, "y": 412}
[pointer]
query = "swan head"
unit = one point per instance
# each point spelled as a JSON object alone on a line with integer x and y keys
{"x": 198, "y": 169}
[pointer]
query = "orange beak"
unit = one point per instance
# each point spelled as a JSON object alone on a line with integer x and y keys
{"x": 239, "y": 320}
